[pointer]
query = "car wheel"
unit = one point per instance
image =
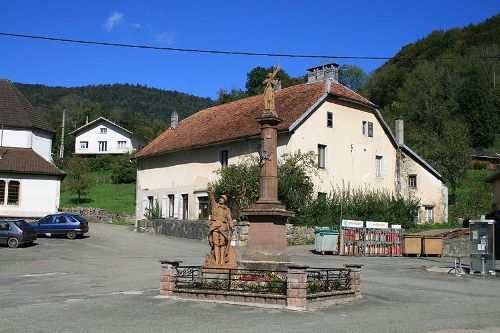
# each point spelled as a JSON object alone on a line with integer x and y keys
{"x": 13, "y": 242}
{"x": 71, "y": 234}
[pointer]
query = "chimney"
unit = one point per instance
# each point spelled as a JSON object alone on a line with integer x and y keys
{"x": 400, "y": 132}
{"x": 174, "y": 119}
{"x": 328, "y": 72}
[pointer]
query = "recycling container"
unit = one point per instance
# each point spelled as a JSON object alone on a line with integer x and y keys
{"x": 326, "y": 240}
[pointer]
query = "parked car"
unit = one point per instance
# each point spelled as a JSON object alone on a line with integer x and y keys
{"x": 70, "y": 225}
{"x": 15, "y": 232}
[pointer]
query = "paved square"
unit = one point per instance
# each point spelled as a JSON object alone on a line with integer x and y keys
{"x": 108, "y": 282}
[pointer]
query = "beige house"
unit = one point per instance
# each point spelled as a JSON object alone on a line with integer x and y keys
{"x": 354, "y": 147}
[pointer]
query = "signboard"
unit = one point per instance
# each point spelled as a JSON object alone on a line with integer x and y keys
{"x": 352, "y": 224}
{"x": 377, "y": 225}
{"x": 396, "y": 226}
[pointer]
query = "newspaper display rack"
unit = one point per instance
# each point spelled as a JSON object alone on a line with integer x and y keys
{"x": 373, "y": 239}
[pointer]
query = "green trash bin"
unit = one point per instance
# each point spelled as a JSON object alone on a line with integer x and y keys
{"x": 326, "y": 240}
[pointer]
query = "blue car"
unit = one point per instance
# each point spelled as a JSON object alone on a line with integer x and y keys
{"x": 70, "y": 225}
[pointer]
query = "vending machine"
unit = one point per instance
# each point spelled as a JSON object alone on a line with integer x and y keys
{"x": 482, "y": 246}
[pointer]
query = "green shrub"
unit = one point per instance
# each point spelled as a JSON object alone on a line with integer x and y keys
{"x": 359, "y": 204}
{"x": 240, "y": 182}
{"x": 97, "y": 163}
{"x": 153, "y": 213}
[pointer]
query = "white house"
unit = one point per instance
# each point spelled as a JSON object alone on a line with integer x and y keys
{"x": 101, "y": 137}
{"x": 29, "y": 180}
{"x": 354, "y": 147}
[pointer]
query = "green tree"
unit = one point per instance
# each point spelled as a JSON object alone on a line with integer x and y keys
{"x": 256, "y": 77}
{"x": 123, "y": 169}
{"x": 78, "y": 180}
{"x": 353, "y": 77}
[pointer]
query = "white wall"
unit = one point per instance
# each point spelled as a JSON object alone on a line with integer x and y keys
{"x": 39, "y": 196}
{"x": 17, "y": 138}
{"x": 113, "y": 134}
{"x": 39, "y": 141}
{"x": 42, "y": 144}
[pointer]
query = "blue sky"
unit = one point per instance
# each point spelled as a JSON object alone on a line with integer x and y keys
{"x": 356, "y": 27}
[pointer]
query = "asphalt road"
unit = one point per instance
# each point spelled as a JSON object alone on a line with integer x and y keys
{"x": 108, "y": 282}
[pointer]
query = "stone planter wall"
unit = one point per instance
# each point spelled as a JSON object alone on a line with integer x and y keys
{"x": 296, "y": 297}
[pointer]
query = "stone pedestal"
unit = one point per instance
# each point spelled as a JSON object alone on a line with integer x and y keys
{"x": 296, "y": 291}
{"x": 355, "y": 277}
{"x": 267, "y": 239}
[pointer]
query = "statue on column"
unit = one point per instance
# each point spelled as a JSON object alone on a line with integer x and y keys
{"x": 220, "y": 229}
{"x": 270, "y": 82}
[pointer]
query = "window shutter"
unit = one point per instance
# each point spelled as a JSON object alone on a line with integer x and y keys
{"x": 176, "y": 206}
{"x": 164, "y": 206}
{"x": 144, "y": 206}
{"x": 370, "y": 129}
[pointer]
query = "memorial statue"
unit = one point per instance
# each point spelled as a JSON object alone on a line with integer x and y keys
{"x": 220, "y": 228}
{"x": 270, "y": 82}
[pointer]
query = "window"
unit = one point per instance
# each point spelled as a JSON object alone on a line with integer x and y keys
{"x": 103, "y": 146}
{"x": 185, "y": 207}
{"x": 60, "y": 219}
{"x": 412, "y": 181}
{"x": 171, "y": 205}
{"x": 329, "y": 119}
{"x": 84, "y": 144}
{"x": 429, "y": 214}
{"x": 368, "y": 128}
{"x": 321, "y": 156}
{"x": 13, "y": 193}
{"x": 151, "y": 202}
{"x": 2, "y": 192}
{"x": 223, "y": 158}
{"x": 203, "y": 207}
{"x": 122, "y": 144}
{"x": 104, "y": 130}
{"x": 379, "y": 166}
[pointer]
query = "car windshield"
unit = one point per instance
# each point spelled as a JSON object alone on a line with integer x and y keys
{"x": 22, "y": 224}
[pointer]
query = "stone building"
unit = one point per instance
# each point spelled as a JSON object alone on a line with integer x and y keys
{"x": 354, "y": 147}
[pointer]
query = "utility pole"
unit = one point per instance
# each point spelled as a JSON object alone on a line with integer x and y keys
{"x": 61, "y": 150}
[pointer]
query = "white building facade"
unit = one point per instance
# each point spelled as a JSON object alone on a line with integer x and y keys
{"x": 101, "y": 137}
{"x": 29, "y": 181}
{"x": 353, "y": 145}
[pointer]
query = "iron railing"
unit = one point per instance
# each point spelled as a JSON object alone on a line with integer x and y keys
{"x": 327, "y": 279}
{"x": 237, "y": 280}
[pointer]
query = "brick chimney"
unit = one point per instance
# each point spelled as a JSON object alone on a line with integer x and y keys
{"x": 323, "y": 72}
{"x": 400, "y": 132}
{"x": 174, "y": 119}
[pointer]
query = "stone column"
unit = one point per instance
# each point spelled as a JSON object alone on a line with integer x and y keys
{"x": 355, "y": 276}
{"x": 296, "y": 291}
{"x": 168, "y": 276}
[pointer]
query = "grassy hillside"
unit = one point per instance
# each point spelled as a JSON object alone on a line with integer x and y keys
{"x": 114, "y": 198}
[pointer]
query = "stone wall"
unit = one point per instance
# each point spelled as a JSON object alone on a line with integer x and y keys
{"x": 176, "y": 228}
{"x": 98, "y": 215}
{"x": 456, "y": 246}
{"x": 198, "y": 230}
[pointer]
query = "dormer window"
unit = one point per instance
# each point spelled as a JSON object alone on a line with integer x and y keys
{"x": 104, "y": 130}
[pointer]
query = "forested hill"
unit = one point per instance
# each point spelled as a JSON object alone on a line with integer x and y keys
{"x": 145, "y": 111}
{"x": 447, "y": 89}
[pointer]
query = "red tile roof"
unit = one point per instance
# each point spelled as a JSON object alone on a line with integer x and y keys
{"x": 26, "y": 161}
{"x": 237, "y": 119}
{"x": 17, "y": 111}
